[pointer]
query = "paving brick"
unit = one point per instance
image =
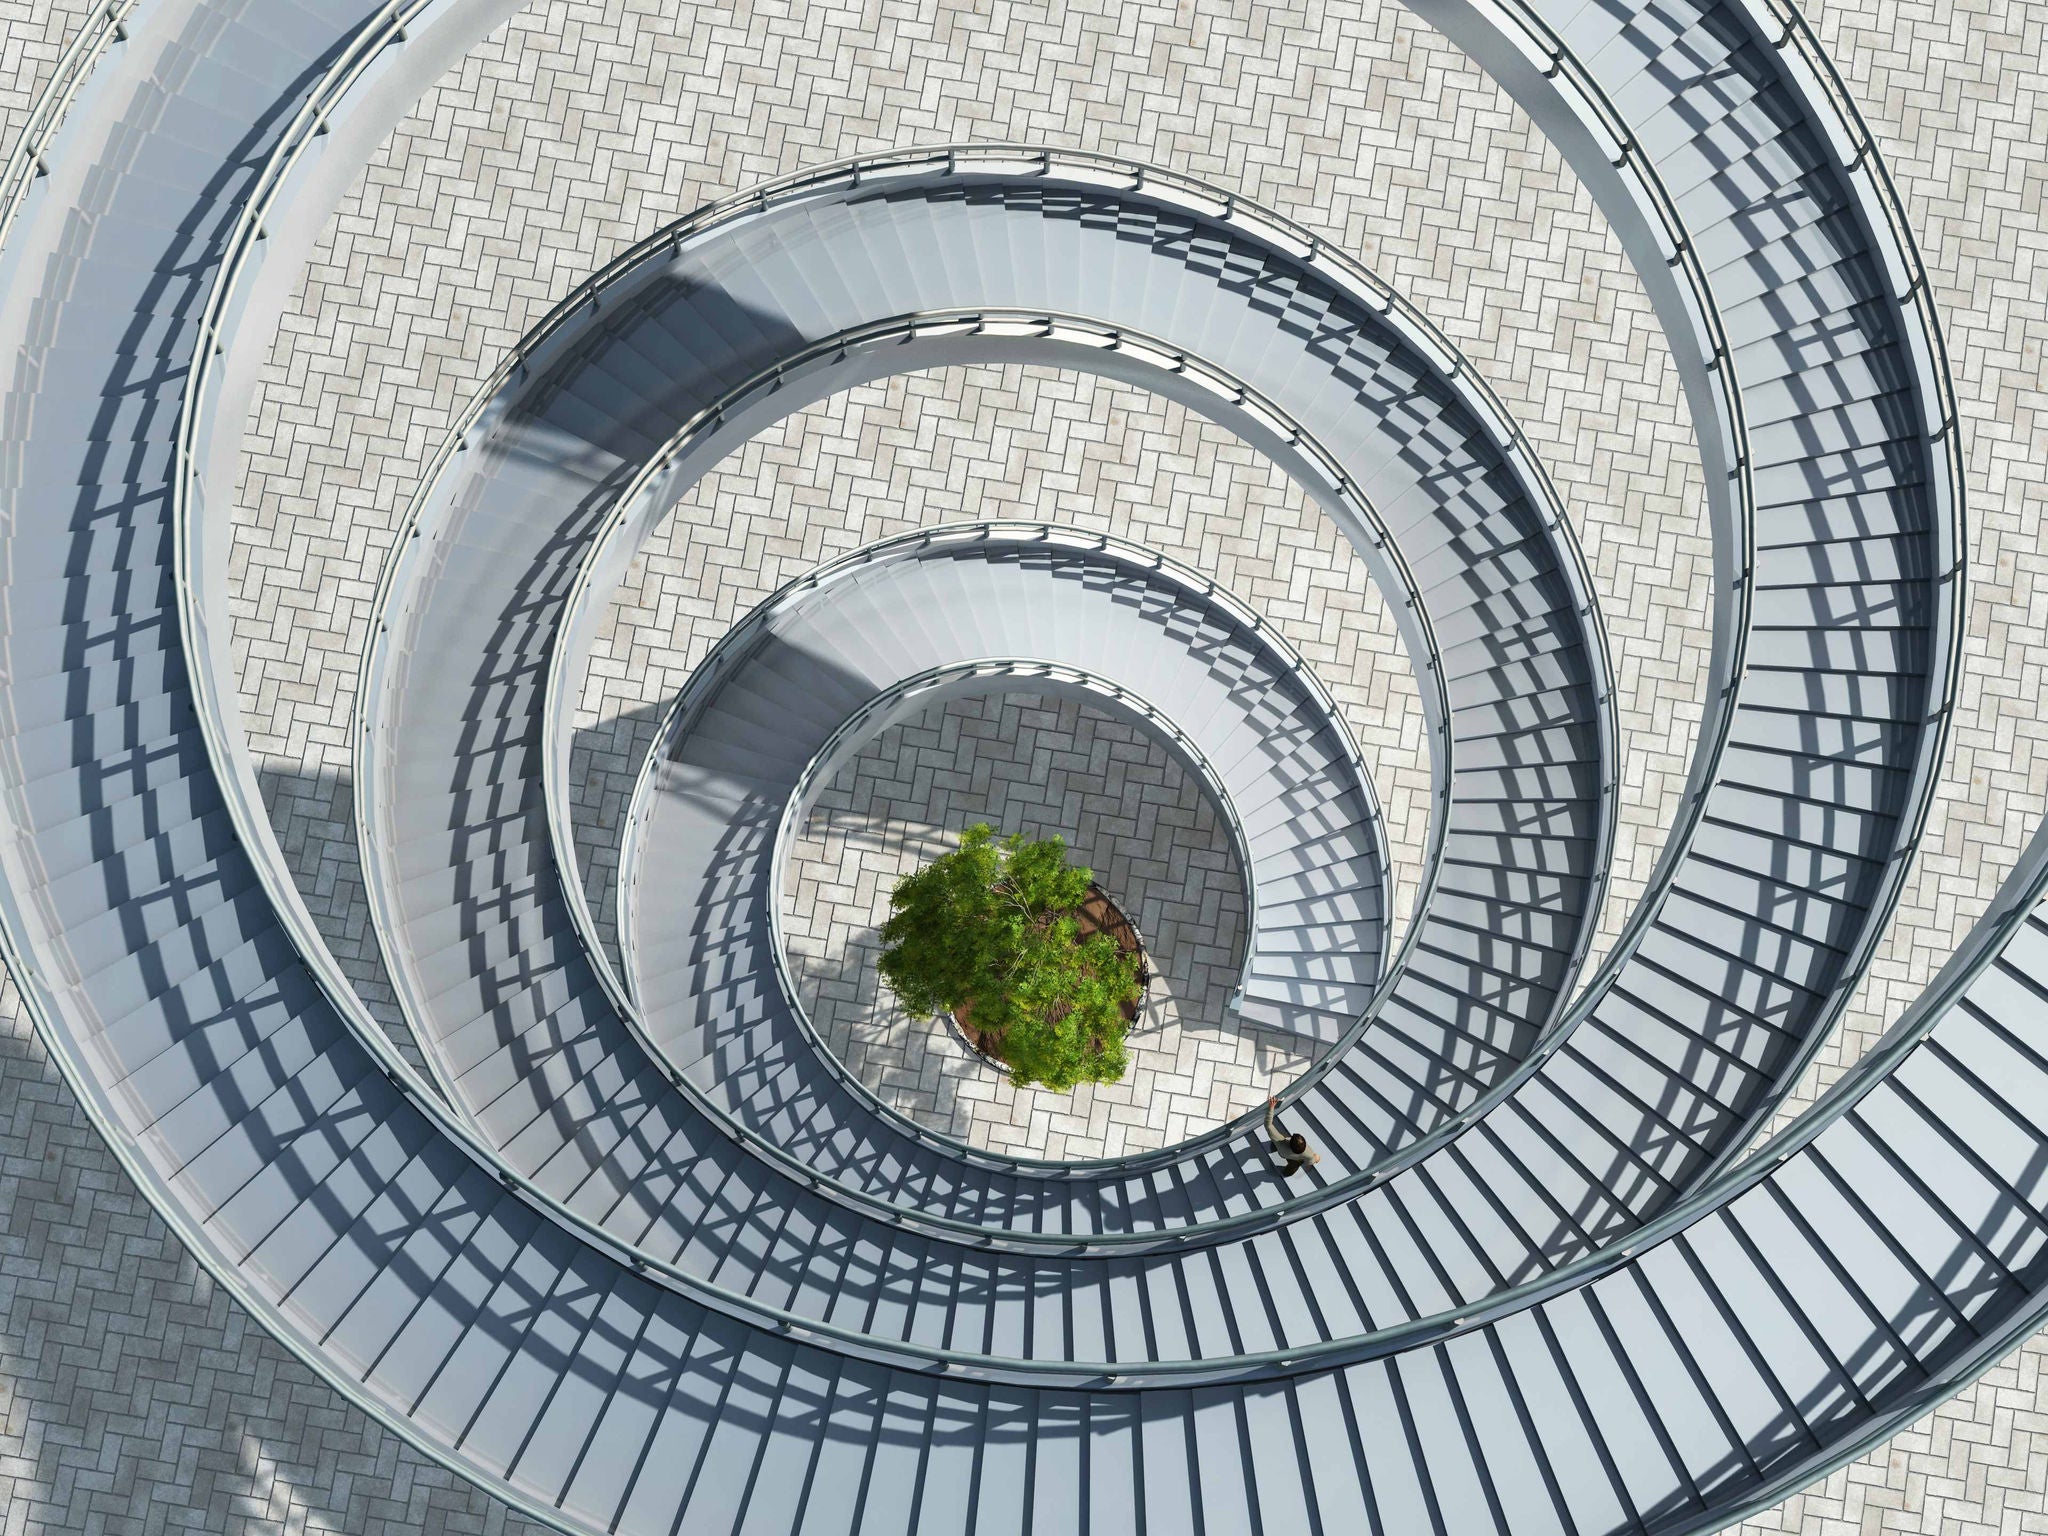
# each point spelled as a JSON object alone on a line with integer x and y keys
{"x": 1157, "y": 845}
{"x": 137, "y": 1395}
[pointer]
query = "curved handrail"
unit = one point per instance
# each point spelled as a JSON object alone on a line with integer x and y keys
{"x": 1351, "y": 276}
{"x": 692, "y": 701}
{"x": 27, "y": 161}
{"x": 1157, "y": 721}
{"x": 1901, "y": 1040}
{"x": 1583, "y": 93}
{"x": 831, "y": 756}
{"x": 1024, "y": 326}
{"x": 404, "y": 1077}
{"x": 385, "y": 28}
{"x": 994, "y": 159}
{"x": 1944, "y": 434}
{"x": 1113, "y": 174}
{"x": 730, "y": 209}
{"x": 732, "y": 644}
{"x": 707, "y": 679}
{"x": 1560, "y": 65}
{"x": 356, "y": 60}
{"x": 855, "y": 173}
{"x": 858, "y": 725}
{"x": 1682, "y": 257}
{"x": 914, "y": 162}
{"x": 25, "y": 164}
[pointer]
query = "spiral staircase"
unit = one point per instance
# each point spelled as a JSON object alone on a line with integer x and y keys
{"x": 620, "y": 1240}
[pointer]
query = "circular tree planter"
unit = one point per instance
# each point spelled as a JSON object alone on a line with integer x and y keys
{"x": 1097, "y": 914}
{"x": 996, "y": 928}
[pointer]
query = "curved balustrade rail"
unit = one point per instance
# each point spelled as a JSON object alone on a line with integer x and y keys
{"x": 613, "y": 497}
{"x": 1334, "y": 484}
{"x": 415, "y": 550}
{"x": 25, "y": 164}
{"x": 386, "y": 29}
{"x": 935, "y": 685}
{"x": 1520, "y": 1361}
{"x": 709, "y": 676}
{"x": 983, "y": 159}
{"x": 1525, "y": 26}
{"x": 1577, "y": 84}
{"x": 1451, "y": 1128}
{"x": 412, "y": 547}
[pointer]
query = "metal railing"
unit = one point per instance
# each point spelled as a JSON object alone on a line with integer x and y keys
{"x": 1627, "y": 157}
{"x": 1067, "y": 330}
{"x": 1346, "y": 276}
{"x": 1580, "y": 91}
{"x": 527, "y": 353}
{"x": 25, "y": 165}
{"x": 385, "y": 29}
{"x": 1681, "y": 1214}
{"x": 388, "y": 29}
{"x": 2015, "y": 901}
{"x": 1226, "y": 390}
{"x": 1577, "y": 86}
{"x": 862, "y": 726}
{"x": 963, "y": 161}
{"x": 1871, "y": 181}
{"x": 709, "y": 679}
{"x": 1349, "y": 277}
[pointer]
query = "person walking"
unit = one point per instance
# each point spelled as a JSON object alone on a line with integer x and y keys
{"x": 1292, "y": 1150}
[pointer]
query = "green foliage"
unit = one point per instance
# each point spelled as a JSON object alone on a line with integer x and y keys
{"x": 991, "y": 924}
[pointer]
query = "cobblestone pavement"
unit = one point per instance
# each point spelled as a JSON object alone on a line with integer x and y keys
{"x": 1158, "y": 846}
{"x": 137, "y": 1397}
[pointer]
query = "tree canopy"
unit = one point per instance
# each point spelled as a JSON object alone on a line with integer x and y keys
{"x": 992, "y": 927}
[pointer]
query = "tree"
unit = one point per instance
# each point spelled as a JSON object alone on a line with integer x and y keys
{"x": 991, "y": 927}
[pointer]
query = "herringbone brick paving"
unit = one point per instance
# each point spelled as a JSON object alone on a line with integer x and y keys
{"x": 137, "y": 1396}
{"x": 580, "y": 127}
{"x": 1156, "y": 843}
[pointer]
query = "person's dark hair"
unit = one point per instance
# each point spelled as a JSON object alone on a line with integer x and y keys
{"x": 1297, "y": 1142}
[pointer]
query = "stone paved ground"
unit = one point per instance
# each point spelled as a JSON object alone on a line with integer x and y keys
{"x": 138, "y": 1398}
{"x": 32, "y": 36}
{"x": 581, "y": 126}
{"x": 1158, "y": 846}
